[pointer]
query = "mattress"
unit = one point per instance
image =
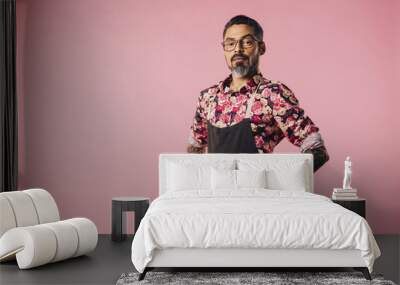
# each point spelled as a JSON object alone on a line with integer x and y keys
{"x": 250, "y": 218}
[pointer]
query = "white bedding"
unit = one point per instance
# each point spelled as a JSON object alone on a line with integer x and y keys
{"x": 250, "y": 218}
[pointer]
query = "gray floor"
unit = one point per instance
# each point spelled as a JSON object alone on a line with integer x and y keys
{"x": 110, "y": 259}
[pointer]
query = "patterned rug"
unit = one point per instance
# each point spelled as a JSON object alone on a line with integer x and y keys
{"x": 243, "y": 278}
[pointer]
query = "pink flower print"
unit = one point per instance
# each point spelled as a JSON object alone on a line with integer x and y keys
{"x": 213, "y": 91}
{"x": 227, "y": 104}
{"x": 268, "y": 131}
{"x": 235, "y": 109}
{"x": 238, "y": 118}
{"x": 276, "y": 103}
{"x": 265, "y": 117}
{"x": 280, "y": 111}
{"x": 220, "y": 124}
{"x": 266, "y": 111}
{"x": 272, "y": 96}
{"x": 241, "y": 98}
{"x": 290, "y": 121}
{"x": 219, "y": 108}
{"x": 259, "y": 141}
{"x": 224, "y": 118}
{"x": 279, "y": 103}
{"x": 257, "y": 108}
{"x": 256, "y": 119}
{"x": 267, "y": 93}
{"x": 222, "y": 97}
{"x": 253, "y": 127}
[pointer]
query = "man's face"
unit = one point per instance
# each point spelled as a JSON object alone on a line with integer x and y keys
{"x": 242, "y": 60}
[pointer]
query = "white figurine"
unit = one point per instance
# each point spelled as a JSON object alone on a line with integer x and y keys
{"x": 347, "y": 174}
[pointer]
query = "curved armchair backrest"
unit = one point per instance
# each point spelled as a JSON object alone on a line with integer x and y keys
{"x": 26, "y": 208}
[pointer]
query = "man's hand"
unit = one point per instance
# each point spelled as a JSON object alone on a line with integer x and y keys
{"x": 193, "y": 149}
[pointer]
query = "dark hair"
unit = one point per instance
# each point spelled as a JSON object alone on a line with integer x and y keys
{"x": 242, "y": 19}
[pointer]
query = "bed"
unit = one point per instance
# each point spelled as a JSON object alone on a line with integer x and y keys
{"x": 247, "y": 210}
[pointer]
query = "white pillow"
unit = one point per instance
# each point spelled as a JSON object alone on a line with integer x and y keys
{"x": 188, "y": 175}
{"x": 237, "y": 179}
{"x": 251, "y": 178}
{"x": 281, "y": 175}
{"x": 288, "y": 179}
{"x": 223, "y": 179}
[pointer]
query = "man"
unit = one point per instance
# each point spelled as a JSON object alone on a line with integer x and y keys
{"x": 247, "y": 113}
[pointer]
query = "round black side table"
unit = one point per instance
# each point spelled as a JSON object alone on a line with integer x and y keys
{"x": 120, "y": 205}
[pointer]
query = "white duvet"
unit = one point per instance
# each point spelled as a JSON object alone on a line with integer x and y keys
{"x": 250, "y": 218}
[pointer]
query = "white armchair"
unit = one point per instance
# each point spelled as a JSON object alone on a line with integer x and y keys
{"x": 32, "y": 233}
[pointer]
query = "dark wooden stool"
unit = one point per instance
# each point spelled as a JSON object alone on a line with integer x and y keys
{"x": 120, "y": 205}
{"x": 357, "y": 205}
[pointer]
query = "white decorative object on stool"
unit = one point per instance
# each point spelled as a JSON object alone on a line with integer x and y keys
{"x": 347, "y": 173}
{"x": 32, "y": 233}
{"x": 347, "y": 192}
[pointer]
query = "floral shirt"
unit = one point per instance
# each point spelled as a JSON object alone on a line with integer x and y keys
{"x": 275, "y": 113}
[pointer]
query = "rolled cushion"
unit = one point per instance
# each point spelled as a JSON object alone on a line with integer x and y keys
{"x": 67, "y": 240}
{"x": 7, "y": 218}
{"x": 40, "y": 244}
{"x": 23, "y": 208}
{"x": 33, "y": 246}
{"x": 26, "y": 208}
{"x": 46, "y": 207}
{"x": 87, "y": 234}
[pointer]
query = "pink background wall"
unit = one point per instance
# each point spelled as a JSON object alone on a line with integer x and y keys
{"x": 105, "y": 86}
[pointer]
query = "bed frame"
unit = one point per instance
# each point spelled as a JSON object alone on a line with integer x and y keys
{"x": 246, "y": 258}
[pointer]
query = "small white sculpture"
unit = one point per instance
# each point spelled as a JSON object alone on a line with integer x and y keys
{"x": 347, "y": 174}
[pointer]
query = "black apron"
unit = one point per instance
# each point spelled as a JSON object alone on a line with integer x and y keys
{"x": 233, "y": 139}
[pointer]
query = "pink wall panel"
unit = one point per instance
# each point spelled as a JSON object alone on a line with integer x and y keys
{"x": 105, "y": 86}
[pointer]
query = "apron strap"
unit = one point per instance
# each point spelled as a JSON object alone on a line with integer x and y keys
{"x": 251, "y": 101}
{"x": 209, "y": 107}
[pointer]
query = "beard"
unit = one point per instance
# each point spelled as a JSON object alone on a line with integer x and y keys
{"x": 243, "y": 70}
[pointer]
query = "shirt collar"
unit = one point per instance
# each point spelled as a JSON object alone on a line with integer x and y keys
{"x": 250, "y": 84}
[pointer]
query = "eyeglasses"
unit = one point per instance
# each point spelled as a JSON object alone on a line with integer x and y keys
{"x": 246, "y": 42}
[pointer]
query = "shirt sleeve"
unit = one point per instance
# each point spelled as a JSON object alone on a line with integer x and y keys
{"x": 198, "y": 129}
{"x": 290, "y": 117}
